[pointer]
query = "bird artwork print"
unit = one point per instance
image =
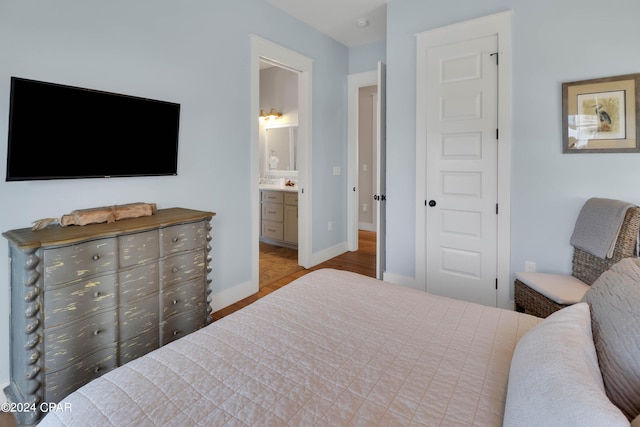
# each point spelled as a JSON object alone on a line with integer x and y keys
{"x": 604, "y": 119}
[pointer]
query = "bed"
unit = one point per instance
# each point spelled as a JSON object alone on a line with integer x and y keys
{"x": 332, "y": 348}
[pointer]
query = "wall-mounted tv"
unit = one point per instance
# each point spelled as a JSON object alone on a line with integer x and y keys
{"x": 63, "y": 132}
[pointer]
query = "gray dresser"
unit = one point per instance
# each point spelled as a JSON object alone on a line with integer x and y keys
{"x": 85, "y": 300}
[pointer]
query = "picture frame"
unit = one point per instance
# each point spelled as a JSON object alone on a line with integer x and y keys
{"x": 601, "y": 115}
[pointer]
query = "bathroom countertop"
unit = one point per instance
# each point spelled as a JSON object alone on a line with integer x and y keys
{"x": 277, "y": 187}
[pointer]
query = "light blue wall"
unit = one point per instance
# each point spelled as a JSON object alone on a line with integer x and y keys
{"x": 365, "y": 57}
{"x": 195, "y": 53}
{"x": 553, "y": 42}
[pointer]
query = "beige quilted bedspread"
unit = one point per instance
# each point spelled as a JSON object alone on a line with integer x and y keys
{"x": 331, "y": 349}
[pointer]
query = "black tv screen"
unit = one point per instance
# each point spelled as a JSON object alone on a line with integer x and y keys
{"x": 63, "y": 132}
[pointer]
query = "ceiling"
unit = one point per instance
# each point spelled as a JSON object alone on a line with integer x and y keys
{"x": 339, "y": 19}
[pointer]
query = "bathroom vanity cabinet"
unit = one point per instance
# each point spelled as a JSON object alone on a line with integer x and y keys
{"x": 279, "y": 217}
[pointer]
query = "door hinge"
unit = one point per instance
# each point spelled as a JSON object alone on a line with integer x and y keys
{"x": 496, "y": 209}
{"x": 497, "y": 134}
{"x": 497, "y": 55}
{"x": 496, "y": 283}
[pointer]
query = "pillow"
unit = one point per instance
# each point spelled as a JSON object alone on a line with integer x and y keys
{"x": 614, "y": 300}
{"x": 554, "y": 378}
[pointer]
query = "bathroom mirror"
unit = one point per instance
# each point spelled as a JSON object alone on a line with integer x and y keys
{"x": 280, "y": 148}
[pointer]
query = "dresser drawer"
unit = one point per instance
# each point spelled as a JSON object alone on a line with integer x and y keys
{"x": 182, "y": 268}
{"x": 138, "y": 282}
{"x": 138, "y": 248}
{"x": 73, "y": 302}
{"x": 183, "y": 297}
{"x": 271, "y": 196}
{"x": 67, "y": 263}
{"x": 272, "y": 230}
{"x": 291, "y": 198}
{"x": 272, "y": 212}
{"x": 139, "y": 317}
{"x": 65, "y": 346}
{"x": 139, "y": 345}
{"x": 183, "y": 324}
{"x": 183, "y": 237}
{"x": 59, "y": 384}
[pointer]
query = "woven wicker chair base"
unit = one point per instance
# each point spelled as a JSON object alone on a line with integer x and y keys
{"x": 534, "y": 303}
{"x": 585, "y": 267}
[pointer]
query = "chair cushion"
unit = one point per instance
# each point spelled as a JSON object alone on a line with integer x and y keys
{"x": 561, "y": 288}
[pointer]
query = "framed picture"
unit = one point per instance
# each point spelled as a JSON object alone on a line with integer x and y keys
{"x": 601, "y": 115}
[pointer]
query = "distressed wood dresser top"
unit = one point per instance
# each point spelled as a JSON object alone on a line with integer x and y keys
{"x": 25, "y": 238}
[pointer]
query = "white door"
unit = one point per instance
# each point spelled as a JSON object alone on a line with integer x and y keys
{"x": 381, "y": 168}
{"x": 461, "y": 170}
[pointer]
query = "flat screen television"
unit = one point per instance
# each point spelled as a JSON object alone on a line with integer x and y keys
{"x": 64, "y": 132}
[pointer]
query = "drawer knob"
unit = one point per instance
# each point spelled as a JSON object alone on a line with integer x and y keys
{"x": 95, "y": 257}
{"x": 175, "y": 333}
{"x": 96, "y": 332}
{"x": 174, "y": 302}
{"x": 96, "y": 294}
{"x": 174, "y": 269}
{"x": 175, "y": 239}
{"x": 97, "y": 370}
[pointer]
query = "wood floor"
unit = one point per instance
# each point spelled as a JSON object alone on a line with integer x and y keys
{"x": 362, "y": 261}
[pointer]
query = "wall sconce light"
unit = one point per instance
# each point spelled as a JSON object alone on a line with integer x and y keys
{"x": 273, "y": 114}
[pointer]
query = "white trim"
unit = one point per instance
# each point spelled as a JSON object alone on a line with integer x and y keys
{"x": 327, "y": 254}
{"x": 354, "y": 83}
{"x": 499, "y": 24}
{"x": 366, "y": 226}
{"x": 232, "y": 295}
{"x": 302, "y": 65}
{"x": 409, "y": 282}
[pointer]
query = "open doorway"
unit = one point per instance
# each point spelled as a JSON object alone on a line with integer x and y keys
{"x": 265, "y": 54}
{"x": 278, "y": 171}
{"x": 367, "y": 157}
{"x": 366, "y": 161}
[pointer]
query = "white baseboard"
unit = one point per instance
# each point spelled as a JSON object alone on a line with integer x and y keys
{"x": 3, "y": 398}
{"x": 230, "y": 296}
{"x": 366, "y": 226}
{"x": 327, "y": 254}
{"x": 402, "y": 280}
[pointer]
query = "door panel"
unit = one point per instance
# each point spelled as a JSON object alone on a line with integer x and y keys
{"x": 461, "y": 170}
{"x": 381, "y": 168}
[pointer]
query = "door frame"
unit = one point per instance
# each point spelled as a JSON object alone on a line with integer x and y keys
{"x": 354, "y": 83}
{"x": 302, "y": 65}
{"x": 500, "y": 25}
